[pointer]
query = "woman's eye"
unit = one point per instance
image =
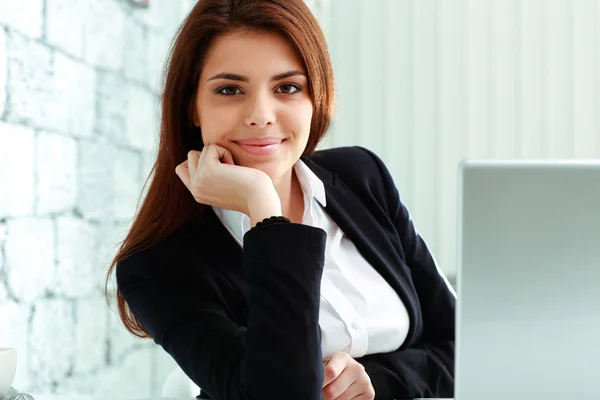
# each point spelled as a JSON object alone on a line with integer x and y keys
{"x": 229, "y": 91}
{"x": 288, "y": 89}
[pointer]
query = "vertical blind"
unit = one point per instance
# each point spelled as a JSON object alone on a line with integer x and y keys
{"x": 427, "y": 83}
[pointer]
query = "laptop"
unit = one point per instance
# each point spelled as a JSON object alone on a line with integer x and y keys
{"x": 528, "y": 282}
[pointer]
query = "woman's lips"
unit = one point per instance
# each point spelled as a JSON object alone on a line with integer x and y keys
{"x": 260, "y": 147}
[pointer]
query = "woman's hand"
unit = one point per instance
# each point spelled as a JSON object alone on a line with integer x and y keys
{"x": 213, "y": 179}
{"x": 345, "y": 379}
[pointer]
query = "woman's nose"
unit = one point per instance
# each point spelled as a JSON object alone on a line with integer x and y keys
{"x": 260, "y": 112}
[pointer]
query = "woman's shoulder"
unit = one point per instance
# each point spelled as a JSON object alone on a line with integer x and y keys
{"x": 344, "y": 156}
{"x": 349, "y": 161}
{"x": 357, "y": 166}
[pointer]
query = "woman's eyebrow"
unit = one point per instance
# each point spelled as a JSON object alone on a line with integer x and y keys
{"x": 288, "y": 74}
{"x": 242, "y": 78}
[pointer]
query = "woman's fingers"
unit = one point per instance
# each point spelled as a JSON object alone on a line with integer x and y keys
{"x": 344, "y": 378}
{"x": 339, "y": 386}
{"x": 213, "y": 179}
{"x": 228, "y": 158}
{"x": 213, "y": 152}
{"x": 183, "y": 173}
{"x": 193, "y": 157}
{"x": 334, "y": 367}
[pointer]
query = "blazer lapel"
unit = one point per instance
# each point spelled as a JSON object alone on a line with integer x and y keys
{"x": 369, "y": 237}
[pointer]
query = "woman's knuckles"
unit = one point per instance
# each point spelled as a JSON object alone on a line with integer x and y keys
{"x": 331, "y": 372}
{"x": 331, "y": 392}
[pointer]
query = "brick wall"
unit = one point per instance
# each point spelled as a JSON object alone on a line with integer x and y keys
{"x": 78, "y": 127}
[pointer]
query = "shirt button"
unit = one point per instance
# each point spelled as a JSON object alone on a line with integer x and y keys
{"x": 355, "y": 325}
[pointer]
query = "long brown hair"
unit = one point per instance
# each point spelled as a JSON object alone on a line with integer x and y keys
{"x": 168, "y": 204}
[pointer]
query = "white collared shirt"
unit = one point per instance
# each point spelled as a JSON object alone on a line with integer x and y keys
{"x": 360, "y": 313}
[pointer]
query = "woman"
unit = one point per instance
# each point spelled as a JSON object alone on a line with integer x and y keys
{"x": 266, "y": 269}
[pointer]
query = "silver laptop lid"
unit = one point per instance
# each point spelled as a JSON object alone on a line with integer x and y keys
{"x": 528, "y": 316}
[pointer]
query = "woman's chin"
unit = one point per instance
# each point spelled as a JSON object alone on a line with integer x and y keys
{"x": 273, "y": 170}
{"x": 274, "y": 166}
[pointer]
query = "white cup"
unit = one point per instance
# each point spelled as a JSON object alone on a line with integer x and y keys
{"x": 8, "y": 366}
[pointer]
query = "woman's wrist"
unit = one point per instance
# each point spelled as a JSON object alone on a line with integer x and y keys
{"x": 265, "y": 206}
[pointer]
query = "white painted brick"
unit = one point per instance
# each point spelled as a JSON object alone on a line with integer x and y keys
{"x": 30, "y": 255}
{"x": 3, "y": 234}
{"x": 110, "y": 236}
{"x": 52, "y": 342}
{"x": 90, "y": 334}
{"x": 3, "y": 69}
{"x": 158, "y": 48}
{"x": 111, "y": 101}
{"x": 109, "y": 184}
{"x": 148, "y": 160}
{"x": 121, "y": 341}
{"x": 104, "y": 30}
{"x": 30, "y": 82}
{"x": 3, "y": 283}
{"x": 43, "y": 96}
{"x": 105, "y": 186}
{"x": 95, "y": 189}
{"x": 17, "y": 186}
{"x": 77, "y": 274}
{"x": 56, "y": 168}
{"x": 162, "y": 16}
{"x": 133, "y": 379}
{"x": 73, "y": 105}
{"x": 142, "y": 118}
{"x": 65, "y": 26}
{"x": 186, "y": 7}
{"x": 42, "y": 89}
{"x": 135, "y": 63}
{"x": 130, "y": 379}
{"x": 25, "y": 16}
{"x": 127, "y": 187}
{"x": 14, "y": 332}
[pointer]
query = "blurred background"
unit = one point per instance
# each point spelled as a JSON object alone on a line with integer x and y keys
{"x": 423, "y": 83}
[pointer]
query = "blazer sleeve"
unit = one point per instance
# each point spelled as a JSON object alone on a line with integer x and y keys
{"x": 424, "y": 369}
{"x": 278, "y": 354}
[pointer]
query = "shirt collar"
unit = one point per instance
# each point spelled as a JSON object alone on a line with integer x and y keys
{"x": 310, "y": 183}
{"x": 312, "y": 187}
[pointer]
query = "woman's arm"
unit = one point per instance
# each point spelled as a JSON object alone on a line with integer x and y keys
{"x": 278, "y": 355}
{"x": 425, "y": 369}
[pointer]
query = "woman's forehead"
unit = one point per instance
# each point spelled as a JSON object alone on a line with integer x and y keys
{"x": 251, "y": 53}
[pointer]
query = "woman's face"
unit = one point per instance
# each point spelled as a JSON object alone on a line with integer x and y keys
{"x": 253, "y": 99}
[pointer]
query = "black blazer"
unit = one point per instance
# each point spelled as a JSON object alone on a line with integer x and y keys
{"x": 243, "y": 324}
